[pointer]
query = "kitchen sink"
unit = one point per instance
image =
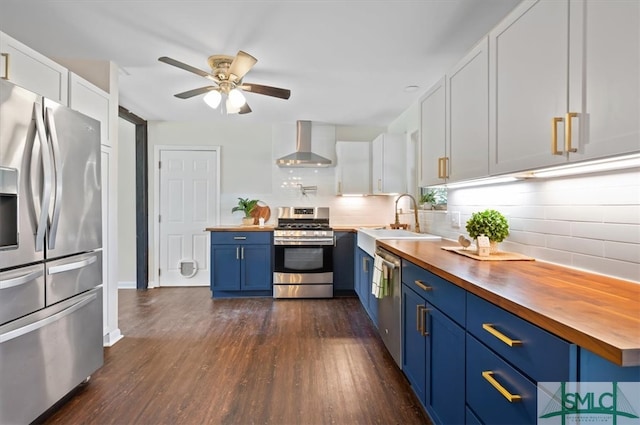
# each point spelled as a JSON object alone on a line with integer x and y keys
{"x": 367, "y": 237}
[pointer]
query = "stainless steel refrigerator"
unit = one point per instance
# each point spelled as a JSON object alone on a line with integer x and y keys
{"x": 50, "y": 252}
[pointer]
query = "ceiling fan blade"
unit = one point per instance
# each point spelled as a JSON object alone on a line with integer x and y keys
{"x": 186, "y": 67}
{"x": 245, "y": 109}
{"x": 241, "y": 64}
{"x": 266, "y": 90}
{"x": 195, "y": 92}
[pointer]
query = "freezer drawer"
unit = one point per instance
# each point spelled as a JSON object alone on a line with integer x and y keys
{"x": 73, "y": 275}
{"x": 47, "y": 354}
{"x": 21, "y": 292}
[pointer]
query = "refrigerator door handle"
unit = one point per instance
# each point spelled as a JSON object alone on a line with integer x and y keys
{"x": 20, "y": 280}
{"x": 72, "y": 266}
{"x": 8, "y": 336}
{"x": 57, "y": 169}
{"x": 46, "y": 184}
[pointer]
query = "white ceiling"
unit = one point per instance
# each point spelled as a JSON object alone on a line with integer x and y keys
{"x": 346, "y": 62}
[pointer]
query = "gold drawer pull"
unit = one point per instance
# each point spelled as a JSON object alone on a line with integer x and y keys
{"x": 554, "y": 135}
{"x": 6, "y": 65}
{"x": 567, "y": 131}
{"x": 502, "y": 337}
{"x": 488, "y": 375}
{"x": 422, "y": 285}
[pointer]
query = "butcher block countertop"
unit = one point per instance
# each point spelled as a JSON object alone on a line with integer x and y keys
{"x": 238, "y": 228}
{"x": 595, "y": 312}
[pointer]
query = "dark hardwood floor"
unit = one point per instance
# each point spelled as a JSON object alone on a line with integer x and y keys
{"x": 188, "y": 359}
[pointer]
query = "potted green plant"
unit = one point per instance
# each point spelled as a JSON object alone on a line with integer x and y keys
{"x": 246, "y": 205}
{"x": 428, "y": 199}
{"x": 490, "y": 223}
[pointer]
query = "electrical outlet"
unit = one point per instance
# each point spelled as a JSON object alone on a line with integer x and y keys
{"x": 454, "y": 216}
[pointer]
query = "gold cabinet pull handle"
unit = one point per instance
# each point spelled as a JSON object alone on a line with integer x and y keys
{"x": 568, "y": 135}
{"x": 502, "y": 337}
{"x": 339, "y": 187}
{"x": 554, "y": 135}
{"x": 6, "y": 65}
{"x": 418, "y": 318}
{"x": 445, "y": 166}
{"x": 488, "y": 375}
{"x": 440, "y": 168}
{"x": 422, "y": 285}
{"x": 425, "y": 324}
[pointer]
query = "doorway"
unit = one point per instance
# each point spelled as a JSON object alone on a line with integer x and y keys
{"x": 187, "y": 200}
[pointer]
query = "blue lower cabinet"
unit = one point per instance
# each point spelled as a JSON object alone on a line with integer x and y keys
{"x": 225, "y": 267}
{"x": 343, "y": 263}
{"x": 594, "y": 368}
{"x": 496, "y": 392}
{"x": 364, "y": 277}
{"x": 414, "y": 350}
{"x": 241, "y": 264}
{"x": 255, "y": 268}
{"x": 434, "y": 358}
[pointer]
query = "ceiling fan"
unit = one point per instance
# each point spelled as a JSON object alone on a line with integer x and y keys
{"x": 227, "y": 72}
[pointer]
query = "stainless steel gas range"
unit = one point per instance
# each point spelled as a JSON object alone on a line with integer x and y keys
{"x": 304, "y": 241}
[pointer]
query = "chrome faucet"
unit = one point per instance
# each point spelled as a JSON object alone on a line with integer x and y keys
{"x": 415, "y": 211}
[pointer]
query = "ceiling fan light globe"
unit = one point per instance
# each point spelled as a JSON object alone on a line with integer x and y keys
{"x": 213, "y": 98}
{"x": 230, "y": 108}
{"x": 236, "y": 98}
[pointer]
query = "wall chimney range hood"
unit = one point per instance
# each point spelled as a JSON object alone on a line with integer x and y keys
{"x": 303, "y": 157}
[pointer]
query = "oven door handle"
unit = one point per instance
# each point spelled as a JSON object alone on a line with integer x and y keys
{"x": 306, "y": 241}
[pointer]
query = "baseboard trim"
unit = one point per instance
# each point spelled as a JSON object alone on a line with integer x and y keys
{"x": 127, "y": 285}
{"x": 112, "y": 337}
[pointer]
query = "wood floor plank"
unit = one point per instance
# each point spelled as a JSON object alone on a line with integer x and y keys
{"x": 188, "y": 359}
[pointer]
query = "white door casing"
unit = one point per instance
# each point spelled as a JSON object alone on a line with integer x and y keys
{"x": 187, "y": 201}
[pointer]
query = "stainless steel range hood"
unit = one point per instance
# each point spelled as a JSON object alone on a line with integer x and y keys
{"x": 303, "y": 157}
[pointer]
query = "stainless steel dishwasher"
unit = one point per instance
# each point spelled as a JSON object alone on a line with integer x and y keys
{"x": 390, "y": 307}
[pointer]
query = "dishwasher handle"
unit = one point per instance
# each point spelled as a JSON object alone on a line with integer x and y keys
{"x": 392, "y": 261}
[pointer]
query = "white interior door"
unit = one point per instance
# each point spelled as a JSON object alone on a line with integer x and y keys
{"x": 188, "y": 197}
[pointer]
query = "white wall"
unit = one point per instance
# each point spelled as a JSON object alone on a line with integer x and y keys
{"x": 248, "y": 154}
{"x": 126, "y": 204}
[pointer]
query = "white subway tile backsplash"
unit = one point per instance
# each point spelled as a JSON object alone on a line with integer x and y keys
{"x": 526, "y": 238}
{"x": 629, "y": 214}
{"x": 590, "y": 222}
{"x": 549, "y": 227}
{"x": 575, "y": 213}
{"x": 605, "y": 231}
{"x": 622, "y": 269}
{"x": 577, "y": 245}
{"x": 622, "y": 251}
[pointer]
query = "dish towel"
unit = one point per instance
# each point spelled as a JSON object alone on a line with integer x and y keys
{"x": 380, "y": 282}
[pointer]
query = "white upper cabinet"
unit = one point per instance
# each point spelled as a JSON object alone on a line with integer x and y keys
{"x": 388, "y": 164}
{"x": 467, "y": 116}
{"x": 89, "y": 99}
{"x": 604, "y": 85}
{"x": 433, "y": 157}
{"x": 31, "y": 70}
{"x": 353, "y": 168}
{"x": 563, "y": 83}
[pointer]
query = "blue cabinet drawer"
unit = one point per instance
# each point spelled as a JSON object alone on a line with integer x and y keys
{"x": 537, "y": 353}
{"x": 240, "y": 238}
{"x": 488, "y": 375}
{"x": 449, "y": 298}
